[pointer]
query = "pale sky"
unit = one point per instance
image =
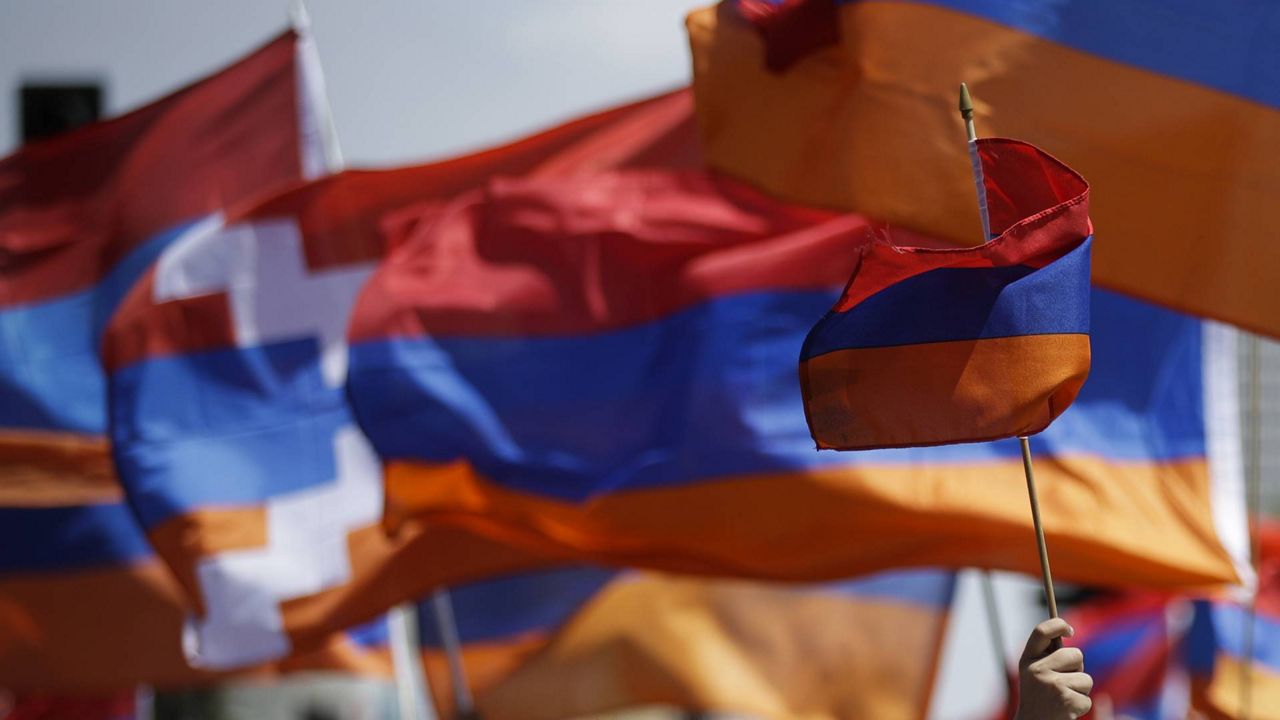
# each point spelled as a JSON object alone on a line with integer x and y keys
{"x": 411, "y": 80}
{"x": 408, "y": 79}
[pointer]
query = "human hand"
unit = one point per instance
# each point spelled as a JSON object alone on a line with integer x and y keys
{"x": 1052, "y": 683}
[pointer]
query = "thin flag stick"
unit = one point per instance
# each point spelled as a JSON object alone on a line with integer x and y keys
{"x": 966, "y": 112}
{"x": 442, "y": 607}
{"x": 975, "y": 162}
{"x": 995, "y": 630}
{"x": 412, "y": 694}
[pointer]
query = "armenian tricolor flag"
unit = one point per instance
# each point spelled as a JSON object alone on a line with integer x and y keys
{"x": 578, "y": 641}
{"x": 932, "y": 345}
{"x": 604, "y": 367}
{"x": 1233, "y": 657}
{"x": 856, "y": 649}
{"x": 1132, "y": 648}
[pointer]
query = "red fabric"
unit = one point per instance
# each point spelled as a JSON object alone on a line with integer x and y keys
{"x": 355, "y": 216}
{"x": 1018, "y": 177}
{"x": 792, "y": 29}
{"x": 582, "y": 255}
{"x": 42, "y": 706}
{"x": 73, "y": 205}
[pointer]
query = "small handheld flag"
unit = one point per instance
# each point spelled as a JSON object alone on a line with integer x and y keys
{"x": 931, "y": 346}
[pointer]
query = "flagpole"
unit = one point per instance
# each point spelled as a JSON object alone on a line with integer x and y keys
{"x": 995, "y": 630}
{"x": 1253, "y": 508}
{"x": 966, "y": 112}
{"x": 442, "y": 608}
{"x": 413, "y": 697}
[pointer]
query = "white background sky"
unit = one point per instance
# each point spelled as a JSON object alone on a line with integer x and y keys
{"x": 408, "y": 79}
{"x": 411, "y": 80}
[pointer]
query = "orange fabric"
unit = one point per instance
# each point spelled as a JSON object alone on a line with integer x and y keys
{"x": 945, "y": 515}
{"x": 408, "y": 564}
{"x": 69, "y": 630}
{"x": 1219, "y": 698}
{"x": 871, "y": 126}
{"x": 997, "y": 388}
{"x": 488, "y": 665}
{"x": 385, "y": 569}
{"x": 49, "y": 468}
{"x": 212, "y": 530}
{"x": 95, "y": 630}
{"x": 764, "y": 651}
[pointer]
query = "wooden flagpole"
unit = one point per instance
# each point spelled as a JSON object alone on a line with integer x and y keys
{"x": 966, "y": 112}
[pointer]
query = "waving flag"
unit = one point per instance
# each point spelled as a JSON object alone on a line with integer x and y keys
{"x": 928, "y": 346}
{"x": 578, "y": 641}
{"x": 502, "y": 624}
{"x": 229, "y": 419}
{"x": 1225, "y": 684}
{"x": 1132, "y": 648}
{"x": 604, "y": 367}
{"x": 867, "y": 648}
{"x": 1178, "y": 145}
{"x": 81, "y": 217}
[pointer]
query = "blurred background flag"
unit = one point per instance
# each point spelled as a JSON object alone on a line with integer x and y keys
{"x": 1225, "y": 684}
{"x": 580, "y": 641}
{"x": 1132, "y": 645}
{"x": 1176, "y": 143}
{"x": 867, "y": 648}
{"x": 229, "y": 420}
{"x": 501, "y": 624}
{"x": 604, "y": 367}
{"x": 81, "y": 216}
{"x": 931, "y": 345}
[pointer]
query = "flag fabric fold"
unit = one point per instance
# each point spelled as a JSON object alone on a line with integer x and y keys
{"x": 1234, "y": 662}
{"x": 82, "y": 215}
{"x": 1132, "y": 645}
{"x": 579, "y": 641}
{"x": 604, "y": 368}
{"x": 865, "y": 648}
{"x": 928, "y": 345}
{"x": 229, "y": 419}
{"x": 1176, "y": 145}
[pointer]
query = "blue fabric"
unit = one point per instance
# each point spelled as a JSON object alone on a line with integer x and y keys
{"x": 226, "y": 427}
{"x": 510, "y": 606}
{"x": 51, "y": 377}
{"x": 712, "y": 392}
{"x": 931, "y": 589}
{"x": 1225, "y": 45}
{"x": 951, "y": 304}
{"x": 63, "y": 538}
{"x": 1229, "y": 623}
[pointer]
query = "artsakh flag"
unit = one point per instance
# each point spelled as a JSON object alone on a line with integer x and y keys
{"x": 82, "y": 215}
{"x": 1177, "y": 144}
{"x": 229, "y": 415}
{"x": 930, "y": 345}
